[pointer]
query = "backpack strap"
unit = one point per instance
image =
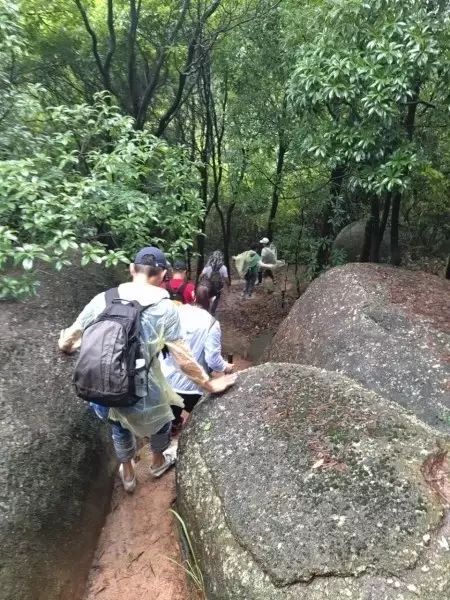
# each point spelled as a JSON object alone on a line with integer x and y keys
{"x": 111, "y": 295}
{"x": 213, "y": 322}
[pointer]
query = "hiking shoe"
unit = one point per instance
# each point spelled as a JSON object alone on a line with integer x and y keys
{"x": 170, "y": 457}
{"x": 129, "y": 485}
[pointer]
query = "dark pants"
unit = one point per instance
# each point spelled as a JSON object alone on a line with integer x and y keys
{"x": 190, "y": 400}
{"x": 265, "y": 273}
{"x": 250, "y": 280}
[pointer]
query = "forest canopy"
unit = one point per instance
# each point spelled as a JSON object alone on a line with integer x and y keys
{"x": 196, "y": 124}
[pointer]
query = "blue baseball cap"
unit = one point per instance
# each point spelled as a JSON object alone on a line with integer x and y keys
{"x": 150, "y": 255}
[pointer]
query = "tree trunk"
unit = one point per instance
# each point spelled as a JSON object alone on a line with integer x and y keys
{"x": 365, "y": 250}
{"x": 326, "y": 228}
{"x": 397, "y": 195}
{"x": 204, "y": 196}
{"x": 201, "y": 249}
{"x": 375, "y": 238}
{"x": 385, "y": 217}
{"x": 226, "y": 252}
{"x": 132, "y": 70}
{"x": 370, "y": 251}
{"x": 227, "y": 238}
{"x": 395, "y": 218}
{"x": 282, "y": 149}
{"x": 188, "y": 263}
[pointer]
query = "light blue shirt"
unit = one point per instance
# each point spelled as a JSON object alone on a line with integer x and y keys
{"x": 203, "y": 335}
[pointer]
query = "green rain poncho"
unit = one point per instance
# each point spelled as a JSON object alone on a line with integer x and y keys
{"x": 245, "y": 261}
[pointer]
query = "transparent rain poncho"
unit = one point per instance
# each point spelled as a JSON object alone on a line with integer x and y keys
{"x": 269, "y": 255}
{"x": 245, "y": 260}
{"x": 152, "y": 411}
{"x": 268, "y": 260}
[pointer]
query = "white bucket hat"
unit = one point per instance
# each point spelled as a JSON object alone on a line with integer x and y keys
{"x": 264, "y": 240}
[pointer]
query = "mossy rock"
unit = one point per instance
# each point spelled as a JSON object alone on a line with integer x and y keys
{"x": 300, "y": 484}
{"x": 350, "y": 241}
{"x": 56, "y": 462}
{"x": 385, "y": 327}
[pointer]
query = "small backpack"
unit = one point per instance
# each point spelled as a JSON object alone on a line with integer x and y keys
{"x": 106, "y": 367}
{"x": 215, "y": 282}
{"x": 177, "y": 295}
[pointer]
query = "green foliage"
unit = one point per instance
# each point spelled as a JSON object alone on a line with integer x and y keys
{"x": 228, "y": 87}
{"x": 90, "y": 183}
{"x": 12, "y": 50}
{"x": 360, "y": 75}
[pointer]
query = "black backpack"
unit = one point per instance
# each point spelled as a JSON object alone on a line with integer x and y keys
{"x": 177, "y": 295}
{"x": 106, "y": 367}
{"x": 215, "y": 282}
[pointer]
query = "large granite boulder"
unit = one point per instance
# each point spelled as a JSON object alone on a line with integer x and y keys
{"x": 298, "y": 484}
{"x": 56, "y": 462}
{"x": 387, "y": 328}
{"x": 350, "y": 241}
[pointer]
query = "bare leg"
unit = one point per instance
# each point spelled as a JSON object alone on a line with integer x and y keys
{"x": 128, "y": 470}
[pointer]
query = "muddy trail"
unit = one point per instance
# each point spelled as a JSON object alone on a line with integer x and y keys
{"x": 138, "y": 555}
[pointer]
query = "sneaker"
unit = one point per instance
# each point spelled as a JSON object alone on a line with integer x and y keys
{"x": 129, "y": 485}
{"x": 170, "y": 457}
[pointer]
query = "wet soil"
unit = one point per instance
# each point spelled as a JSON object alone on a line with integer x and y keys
{"x": 138, "y": 543}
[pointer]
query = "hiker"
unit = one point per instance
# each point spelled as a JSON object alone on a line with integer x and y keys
{"x": 180, "y": 290}
{"x": 214, "y": 275}
{"x": 135, "y": 398}
{"x": 268, "y": 255}
{"x": 251, "y": 272}
{"x": 248, "y": 264}
{"x": 201, "y": 331}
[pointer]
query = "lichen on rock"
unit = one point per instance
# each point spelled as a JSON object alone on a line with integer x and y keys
{"x": 299, "y": 483}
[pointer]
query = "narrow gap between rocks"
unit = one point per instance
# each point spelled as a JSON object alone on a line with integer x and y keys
{"x": 139, "y": 542}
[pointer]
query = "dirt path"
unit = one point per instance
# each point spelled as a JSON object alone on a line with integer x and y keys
{"x": 139, "y": 538}
{"x": 249, "y": 324}
{"x": 137, "y": 541}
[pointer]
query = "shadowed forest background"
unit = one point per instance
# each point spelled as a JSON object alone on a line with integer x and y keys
{"x": 198, "y": 124}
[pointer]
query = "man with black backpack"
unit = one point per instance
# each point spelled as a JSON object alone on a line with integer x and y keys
{"x": 179, "y": 289}
{"x": 120, "y": 334}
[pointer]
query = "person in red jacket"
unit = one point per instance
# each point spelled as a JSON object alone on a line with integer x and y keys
{"x": 179, "y": 288}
